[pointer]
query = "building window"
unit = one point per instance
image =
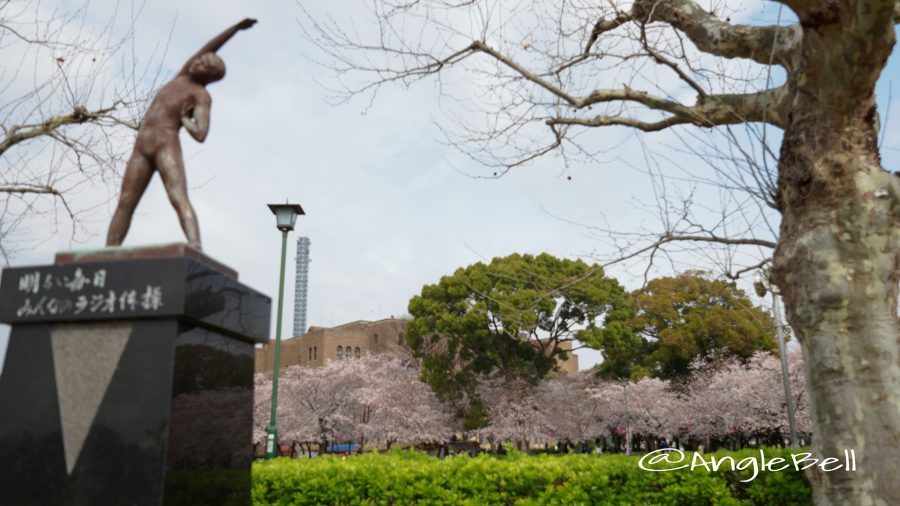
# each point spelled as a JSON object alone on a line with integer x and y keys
{"x": 340, "y": 352}
{"x": 400, "y": 338}
{"x": 315, "y": 352}
{"x": 310, "y": 353}
{"x": 356, "y": 352}
{"x": 376, "y": 338}
{"x": 348, "y": 353}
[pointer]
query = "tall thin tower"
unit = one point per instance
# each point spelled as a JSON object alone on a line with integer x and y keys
{"x": 301, "y": 286}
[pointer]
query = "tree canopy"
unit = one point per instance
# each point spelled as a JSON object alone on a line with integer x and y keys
{"x": 509, "y": 317}
{"x": 673, "y": 321}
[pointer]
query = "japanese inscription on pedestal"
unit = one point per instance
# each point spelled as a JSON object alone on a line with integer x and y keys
{"x": 81, "y": 291}
{"x": 104, "y": 301}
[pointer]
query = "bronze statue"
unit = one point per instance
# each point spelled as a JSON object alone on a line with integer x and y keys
{"x": 183, "y": 101}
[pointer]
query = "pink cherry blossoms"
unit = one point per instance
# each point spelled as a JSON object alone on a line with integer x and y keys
{"x": 377, "y": 400}
{"x": 729, "y": 404}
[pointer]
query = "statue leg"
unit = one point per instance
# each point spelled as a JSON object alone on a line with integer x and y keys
{"x": 137, "y": 176}
{"x": 170, "y": 165}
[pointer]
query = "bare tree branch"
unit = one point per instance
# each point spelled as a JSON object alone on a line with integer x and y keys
{"x": 666, "y": 239}
{"x": 21, "y": 133}
{"x": 711, "y": 110}
{"x": 72, "y": 98}
{"x": 44, "y": 190}
{"x": 562, "y": 93}
{"x": 712, "y": 35}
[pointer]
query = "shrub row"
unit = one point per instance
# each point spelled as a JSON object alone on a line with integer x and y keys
{"x": 404, "y": 477}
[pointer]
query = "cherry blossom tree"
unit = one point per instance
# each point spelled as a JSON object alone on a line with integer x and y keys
{"x": 729, "y": 401}
{"x": 397, "y": 407}
{"x": 374, "y": 399}
{"x": 649, "y": 408}
{"x": 612, "y": 396}
{"x": 653, "y": 409}
{"x": 262, "y": 404}
{"x": 319, "y": 403}
{"x": 513, "y": 412}
{"x": 290, "y": 429}
{"x": 571, "y": 413}
{"x": 738, "y": 400}
{"x": 381, "y": 400}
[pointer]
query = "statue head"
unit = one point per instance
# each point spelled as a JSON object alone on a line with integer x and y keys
{"x": 207, "y": 68}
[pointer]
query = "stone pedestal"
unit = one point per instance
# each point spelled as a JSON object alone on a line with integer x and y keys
{"x": 128, "y": 380}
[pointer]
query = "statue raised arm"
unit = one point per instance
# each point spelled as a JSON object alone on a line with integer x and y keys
{"x": 182, "y": 102}
{"x": 217, "y": 42}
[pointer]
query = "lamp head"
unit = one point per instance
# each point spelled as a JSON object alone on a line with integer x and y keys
{"x": 759, "y": 285}
{"x": 286, "y": 215}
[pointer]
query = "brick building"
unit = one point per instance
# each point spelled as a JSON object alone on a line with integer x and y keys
{"x": 353, "y": 340}
{"x": 320, "y": 344}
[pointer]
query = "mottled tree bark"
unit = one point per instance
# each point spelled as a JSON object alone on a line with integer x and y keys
{"x": 838, "y": 259}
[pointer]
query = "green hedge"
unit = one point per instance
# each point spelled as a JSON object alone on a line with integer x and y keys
{"x": 401, "y": 477}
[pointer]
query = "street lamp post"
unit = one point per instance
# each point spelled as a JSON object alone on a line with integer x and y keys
{"x": 761, "y": 285}
{"x": 285, "y": 217}
{"x": 627, "y": 419}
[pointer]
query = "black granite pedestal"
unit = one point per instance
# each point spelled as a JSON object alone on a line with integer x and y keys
{"x": 128, "y": 380}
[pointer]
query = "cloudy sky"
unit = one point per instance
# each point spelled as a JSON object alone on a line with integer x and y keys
{"x": 389, "y": 207}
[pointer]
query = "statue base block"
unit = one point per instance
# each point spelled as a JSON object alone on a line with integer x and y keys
{"x": 128, "y": 380}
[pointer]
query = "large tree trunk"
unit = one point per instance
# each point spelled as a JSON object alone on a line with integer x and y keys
{"x": 838, "y": 258}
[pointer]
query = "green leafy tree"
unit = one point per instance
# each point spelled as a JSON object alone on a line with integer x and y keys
{"x": 509, "y": 317}
{"x": 672, "y": 321}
